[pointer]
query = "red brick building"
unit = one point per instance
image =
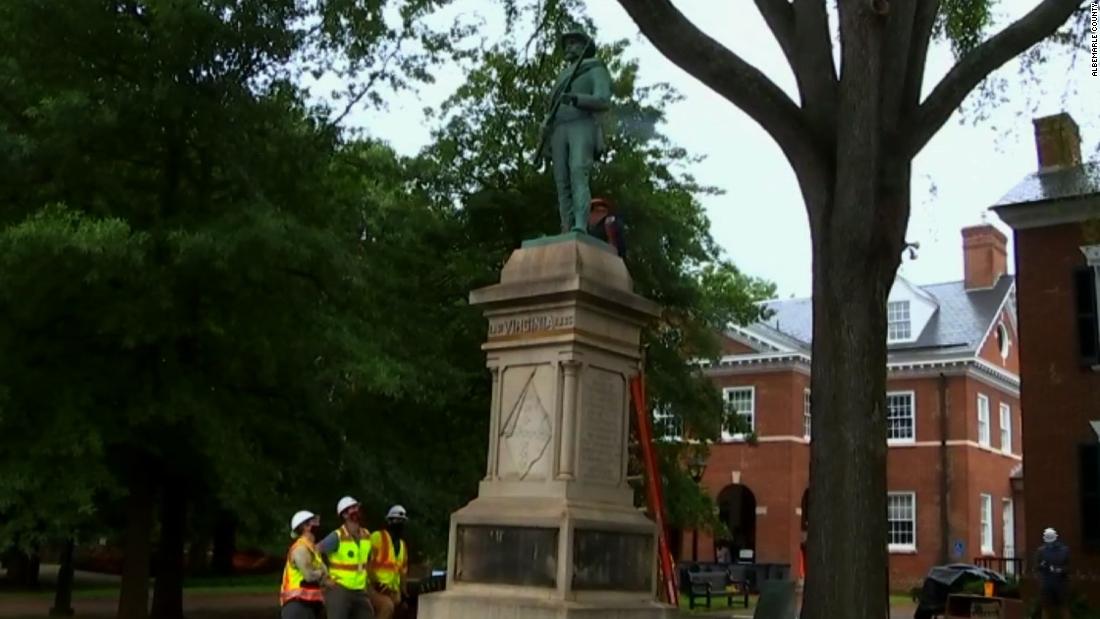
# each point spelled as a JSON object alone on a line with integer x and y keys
{"x": 954, "y": 424}
{"x": 1055, "y": 214}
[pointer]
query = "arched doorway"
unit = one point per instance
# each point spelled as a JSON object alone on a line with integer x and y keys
{"x": 737, "y": 510}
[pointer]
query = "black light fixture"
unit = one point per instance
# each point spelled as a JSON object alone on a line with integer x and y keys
{"x": 696, "y": 466}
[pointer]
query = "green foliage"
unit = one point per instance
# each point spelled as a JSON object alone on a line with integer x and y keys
{"x": 963, "y": 23}
{"x": 204, "y": 280}
{"x": 187, "y": 282}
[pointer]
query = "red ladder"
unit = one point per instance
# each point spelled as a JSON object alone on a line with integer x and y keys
{"x": 654, "y": 494}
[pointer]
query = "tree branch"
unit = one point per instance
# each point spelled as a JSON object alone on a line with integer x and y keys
{"x": 779, "y": 16}
{"x": 355, "y": 98}
{"x": 924, "y": 20}
{"x": 802, "y": 29}
{"x": 814, "y": 68}
{"x": 722, "y": 71}
{"x": 896, "y": 62}
{"x": 1040, "y": 23}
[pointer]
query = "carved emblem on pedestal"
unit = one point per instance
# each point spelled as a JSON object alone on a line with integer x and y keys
{"x": 526, "y": 432}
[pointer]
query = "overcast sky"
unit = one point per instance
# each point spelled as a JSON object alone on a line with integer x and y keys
{"x": 760, "y": 221}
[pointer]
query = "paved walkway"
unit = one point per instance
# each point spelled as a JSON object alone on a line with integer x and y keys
{"x": 105, "y": 604}
{"x": 897, "y": 612}
{"x": 240, "y": 605}
{"x": 207, "y": 604}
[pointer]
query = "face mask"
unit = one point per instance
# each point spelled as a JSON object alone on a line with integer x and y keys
{"x": 396, "y": 527}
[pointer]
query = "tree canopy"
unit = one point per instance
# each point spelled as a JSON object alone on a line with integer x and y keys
{"x": 217, "y": 301}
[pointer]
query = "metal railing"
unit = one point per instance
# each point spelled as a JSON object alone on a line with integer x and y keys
{"x": 1008, "y": 566}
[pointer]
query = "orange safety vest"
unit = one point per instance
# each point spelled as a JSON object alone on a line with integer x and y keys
{"x": 292, "y": 588}
{"x": 387, "y": 567}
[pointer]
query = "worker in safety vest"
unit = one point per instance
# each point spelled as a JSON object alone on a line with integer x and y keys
{"x": 389, "y": 563}
{"x": 304, "y": 576}
{"x": 348, "y": 552}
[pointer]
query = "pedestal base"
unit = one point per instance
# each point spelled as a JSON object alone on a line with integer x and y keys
{"x": 554, "y": 532}
{"x": 553, "y": 548}
{"x": 502, "y": 605}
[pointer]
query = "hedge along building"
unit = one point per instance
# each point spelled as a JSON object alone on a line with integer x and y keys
{"x": 1055, "y": 213}
{"x": 953, "y": 425}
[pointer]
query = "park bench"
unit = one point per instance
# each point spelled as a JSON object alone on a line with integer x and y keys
{"x": 715, "y": 584}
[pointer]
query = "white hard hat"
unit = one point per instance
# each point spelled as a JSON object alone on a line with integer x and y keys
{"x": 345, "y": 503}
{"x": 299, "y": 517}
{"x": 1049, "y": 534}
{"x": 397, "y": 513}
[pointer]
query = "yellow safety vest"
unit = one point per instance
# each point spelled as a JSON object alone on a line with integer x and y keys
{"x": 348, "y": 565}
{"x": 292, "y": 576}
{"x": 386, "y": 568}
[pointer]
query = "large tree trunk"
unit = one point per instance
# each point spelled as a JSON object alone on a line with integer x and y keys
{"x": 848, "y": 455}
{"x": 168, "y": 587}
{"x": 133, "y": 600}
{"x": 63, "y": 594}
{"x": 225, "y": 543}
{"x": 858, "y": 235}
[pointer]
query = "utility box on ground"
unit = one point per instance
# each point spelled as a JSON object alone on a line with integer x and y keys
{"x": 962, "y": 605}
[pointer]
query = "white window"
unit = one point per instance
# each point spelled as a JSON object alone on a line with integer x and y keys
{"x": 667, "y": 426}
{"x": 807, "y": 424}
{"x": 739, "y": 401}
{"x": 900, "y": 417}
{"x": 898, "y": 326}
{"x": 1008, "y": 534}
{"x": 987, "y": 524}
{"x": 901, "y": 521}
{"x": 983, "y": 420}
{"x": 1006, "y": 428}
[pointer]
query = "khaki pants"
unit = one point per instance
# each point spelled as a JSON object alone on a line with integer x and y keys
{"x": 341, "y": 603}
{"x": 384, "y": 603}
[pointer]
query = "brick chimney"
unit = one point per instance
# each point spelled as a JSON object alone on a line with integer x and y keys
{"x": 1057, "y": 142}
{"x": 985, "y": 256}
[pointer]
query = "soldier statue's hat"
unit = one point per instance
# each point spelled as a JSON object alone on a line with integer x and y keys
{"x": 576, "y": 32}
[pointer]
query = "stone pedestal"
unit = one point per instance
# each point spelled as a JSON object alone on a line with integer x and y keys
{"x": 553, "y": 531}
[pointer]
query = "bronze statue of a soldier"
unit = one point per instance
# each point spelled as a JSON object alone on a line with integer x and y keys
{"x": 571, "y": 132}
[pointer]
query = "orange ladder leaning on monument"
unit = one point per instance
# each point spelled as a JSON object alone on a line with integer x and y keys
{"x": 654, "y": 494}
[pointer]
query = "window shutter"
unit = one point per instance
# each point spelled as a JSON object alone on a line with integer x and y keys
{"x": 1088, "y": 328}
{"x": 1090, "y": 495}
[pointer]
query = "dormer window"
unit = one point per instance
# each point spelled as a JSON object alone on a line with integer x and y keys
{"x": 898, "y": 324}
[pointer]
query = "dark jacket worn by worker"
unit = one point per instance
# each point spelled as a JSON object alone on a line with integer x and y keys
{"x": 1053, "y": 562}
{"x": 609, "y": 229}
